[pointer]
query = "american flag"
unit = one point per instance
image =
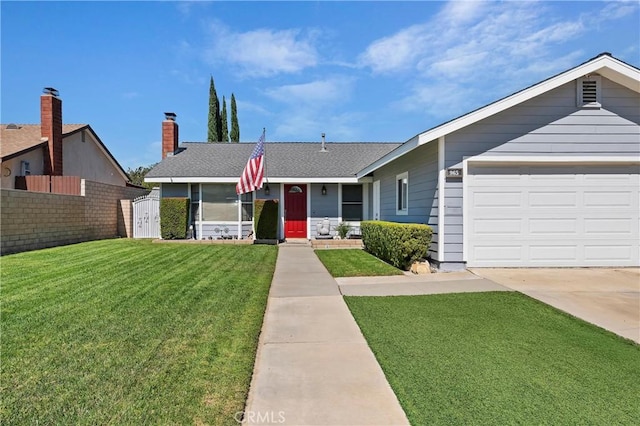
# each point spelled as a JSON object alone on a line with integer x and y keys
{"x": 253, "y": 173}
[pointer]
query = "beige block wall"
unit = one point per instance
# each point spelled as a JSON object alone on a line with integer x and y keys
{"x": 34, "y": 220}
{"x": 125, "y": 219}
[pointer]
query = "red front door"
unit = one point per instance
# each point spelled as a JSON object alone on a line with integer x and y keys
{"x": 295, "y": 211}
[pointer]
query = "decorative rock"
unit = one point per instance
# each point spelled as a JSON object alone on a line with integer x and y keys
{"x": 421, "y": 268}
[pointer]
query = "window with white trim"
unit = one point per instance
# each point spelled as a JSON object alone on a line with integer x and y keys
{"x": 588, "y": 92}
{"x": 402, "y": 193}
{"x": 219, "y": 202}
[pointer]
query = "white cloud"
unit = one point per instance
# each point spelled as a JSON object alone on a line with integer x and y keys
{"x": 306, "y": 125}
{"x": 617, "y": 9}
{"x": 397, "y": 52}
{"x": 312, "y": 93}
{"x": 466, "y": 44}
{"x": 262, "y": 52}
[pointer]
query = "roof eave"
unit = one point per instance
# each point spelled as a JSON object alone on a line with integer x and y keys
{"x": 234, "y": 179}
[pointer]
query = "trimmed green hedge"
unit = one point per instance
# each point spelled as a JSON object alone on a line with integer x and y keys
{"x": 399, "y": 244}
{"x": 174, "y": 218}
{"x": 265, "y": 218}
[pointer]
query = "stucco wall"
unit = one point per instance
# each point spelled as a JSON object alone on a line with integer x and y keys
{"x": 83, "y": 157}
{"x": 11, "y": 168}
{"x": 35, "y": 220}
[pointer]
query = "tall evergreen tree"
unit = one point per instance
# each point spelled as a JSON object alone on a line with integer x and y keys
{"x": 214, "y": 125}
{"x": 223, "y": 120}
{"x": 235, "y": 127}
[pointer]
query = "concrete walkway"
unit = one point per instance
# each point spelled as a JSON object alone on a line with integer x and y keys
{"x": 410, "y": 284}
{"x": 313, "y": 365}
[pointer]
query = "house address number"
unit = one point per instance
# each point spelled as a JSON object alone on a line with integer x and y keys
{"x": 454, "y": 173}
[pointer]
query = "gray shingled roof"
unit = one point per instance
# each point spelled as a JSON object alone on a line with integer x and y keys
{"x": 283, "y": 159}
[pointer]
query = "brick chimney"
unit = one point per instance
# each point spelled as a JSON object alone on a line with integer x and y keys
{"x": 169, "y": 135}
{"x": 51, "y": 128}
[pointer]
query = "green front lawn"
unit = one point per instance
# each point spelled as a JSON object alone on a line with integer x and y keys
{"x": 499, "y": 358}
{"x": 354, "y": 263}
{"x": 130, "y": 332}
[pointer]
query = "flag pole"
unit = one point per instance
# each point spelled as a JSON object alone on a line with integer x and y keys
{"x": 264, "y": 158}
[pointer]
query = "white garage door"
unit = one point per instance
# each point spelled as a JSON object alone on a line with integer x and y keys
{"x": 564, "y": 215}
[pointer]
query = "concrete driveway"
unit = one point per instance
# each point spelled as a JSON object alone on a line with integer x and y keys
{"x": 606, "y": 297}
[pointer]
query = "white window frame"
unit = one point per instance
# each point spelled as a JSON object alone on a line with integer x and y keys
{"x": 402, "y": 209}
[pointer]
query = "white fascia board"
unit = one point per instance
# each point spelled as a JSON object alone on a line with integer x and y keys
{"x": 554, "y": 159}
{"x": 621, "y": 73}
{"x": 410, "y": 145}
{"x": 353, "y": 179}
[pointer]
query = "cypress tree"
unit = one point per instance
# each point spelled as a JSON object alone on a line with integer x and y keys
{"x": 235, "y": 128}
{"x": 213, "y": 134}
{"x": 223, "y": 120}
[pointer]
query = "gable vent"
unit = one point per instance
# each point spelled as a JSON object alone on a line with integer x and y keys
{"x": 589, "y": 92}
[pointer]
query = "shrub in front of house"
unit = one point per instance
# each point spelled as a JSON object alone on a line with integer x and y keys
{"x": 174, "y": 218}
{"x": 400, "y": 244}
{"x": 265, "y": 218}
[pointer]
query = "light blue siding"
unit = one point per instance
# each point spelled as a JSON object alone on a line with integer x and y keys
{"x": 550, "y": 124}
{"x": 324, "y": 205}
{"x": 422, "y": 167}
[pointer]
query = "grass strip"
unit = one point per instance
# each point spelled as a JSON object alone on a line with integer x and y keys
{"x": 354, "y": 263}
{"x": 130, "y": 332}
{"x": 499, "y": 358}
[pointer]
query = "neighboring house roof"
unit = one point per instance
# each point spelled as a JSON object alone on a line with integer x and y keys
{"x": 18, "y": 138}
{"x": 224, "y": 162}
{"x": 604, "y": 64}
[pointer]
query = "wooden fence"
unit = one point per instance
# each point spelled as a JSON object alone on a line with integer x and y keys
{"x": 68, "y": 185}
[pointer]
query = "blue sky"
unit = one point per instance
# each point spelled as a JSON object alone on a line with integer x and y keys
{"x": 358, "y": 71}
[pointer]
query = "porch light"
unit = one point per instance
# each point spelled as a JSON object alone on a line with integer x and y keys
{"x": 267, "y": 190}
{"x": 324, "y": 190}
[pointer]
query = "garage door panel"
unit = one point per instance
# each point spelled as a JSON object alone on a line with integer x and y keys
{"x": 607, "y": 198}
{"x": 582, "y": 215}
{"x": 553, "y": 226}
{"x": 553, "y": 199}
{"x": 488, "y": 252}
{"x": 499, "y": 199}
{"x": 608, "y": 226}
{"x": 552, "y": 253}
{"x": 613, "y": 252}
{"x": 497, "y": 226}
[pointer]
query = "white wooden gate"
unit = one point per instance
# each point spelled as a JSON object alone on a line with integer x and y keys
{"x": 146, "y": 215}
